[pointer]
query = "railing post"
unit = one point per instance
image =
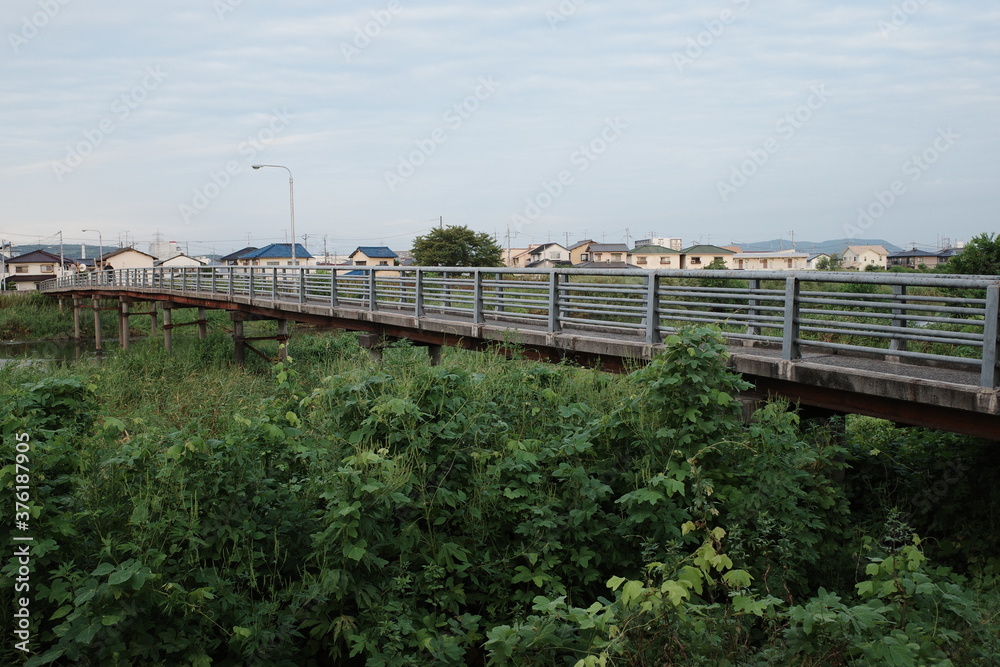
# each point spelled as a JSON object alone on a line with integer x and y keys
{"x": 252, "y": 288}
{"x": 333, "y": 288}
{"x": 372, "y": 292}
{"x": 753, "y": 328}
{"x": 274, "y": 285}
{"x": 215, "y": 281}
{"x": 231, "y": 276}
{"x": 447, "y": 290}
{"x": 197, "y": 279}
{"x": 790, "y": 348}
{"x": 302, "y": 285}
{"x": 499, "y": 292}
{"x": 477, "y": 297}
{"x": 898, "y": 341}
{"x": 652, "y": 309}
{"x": 991, "y": 338}
{"x": 554, "y": 325}
{"x": 418, "y": 298}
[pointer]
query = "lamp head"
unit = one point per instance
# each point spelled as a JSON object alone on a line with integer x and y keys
{"x": 256, "y": 166}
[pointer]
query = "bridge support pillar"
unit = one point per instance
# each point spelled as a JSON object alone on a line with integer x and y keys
{"x": 98, "y": 345}
{"x": 282, "y": 340}
{"x": 434, "y": 354}
{"x": 152, "y": 319}
{"x": 168, "y": 329}
{"x": 77, "y": 305}
{"x": 239, "y": 342}
{"x": 123, "y": 325}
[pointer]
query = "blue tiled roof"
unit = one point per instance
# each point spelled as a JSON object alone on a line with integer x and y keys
{"x": 355, "y": 272}
{"x": 376, "y": 252}
{"x": 278, "y": 250}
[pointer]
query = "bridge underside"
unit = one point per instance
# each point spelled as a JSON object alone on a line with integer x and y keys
{"x": 934, "y": 397}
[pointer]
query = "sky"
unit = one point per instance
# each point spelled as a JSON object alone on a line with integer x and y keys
{"x": 547, "y": 120}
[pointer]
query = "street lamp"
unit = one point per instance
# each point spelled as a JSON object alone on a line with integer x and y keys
{"x": 100, "y": 241}
{"x": 291, "y": 201}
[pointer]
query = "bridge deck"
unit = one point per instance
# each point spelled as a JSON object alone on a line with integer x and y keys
{"x": 934, "y": 390}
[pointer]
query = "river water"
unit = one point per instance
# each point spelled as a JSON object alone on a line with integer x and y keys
{"x": 60, "y": 351}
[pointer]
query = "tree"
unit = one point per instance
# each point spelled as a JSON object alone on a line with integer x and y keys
{"x": 456, "y": 246}
{"x": 833, "y": 262}
{"x": 980, "y": 257}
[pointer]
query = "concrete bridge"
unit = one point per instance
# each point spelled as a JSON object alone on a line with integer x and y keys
{"x": 912, "y": 348}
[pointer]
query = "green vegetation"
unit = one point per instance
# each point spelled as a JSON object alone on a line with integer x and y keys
{"x": 487, "y": 511}
{"x": 981, "y": 256}
{"x": 456, "y": 246}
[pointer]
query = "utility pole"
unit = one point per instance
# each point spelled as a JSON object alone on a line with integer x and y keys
{"x": 792, "y": 232}
{"x": 627, "y": 236}
{"x": 326, "y": 255}
{"x": 567, "y": 238}
{"x": 62, "y": 263}
{"x": 441, "y": 222}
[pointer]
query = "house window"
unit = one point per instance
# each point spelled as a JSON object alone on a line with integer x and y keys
{"x": 585, "y": 257}
{"x": 21, "y": 269}
{"x": 46, "y": 268}
{"x": 641, "y": 260}
{"x": 274, "y": 264}
{"x": 383, "y": 263}
{"x": 763, "y": 263}
{"x": 616, "y": 257}
{"x": 597, "y": 256}
{"x": 740, "y": 261}
{"x": 360, "y": 262}
{"x": 696, "y": 260}
{"x": 789, "y": 263}
{"x": 665, "y": 260}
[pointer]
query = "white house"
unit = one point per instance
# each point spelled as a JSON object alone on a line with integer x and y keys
{"x": 277, "y": 254}
{"x": 126, "y": 258}
{"x": 861, "y": 256}
{"x": 780, "y": 260}
{"x": 28, "y": 270}
{"x": 179, "y": 261}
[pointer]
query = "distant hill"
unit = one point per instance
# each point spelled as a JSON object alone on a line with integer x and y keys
{"x": 814, "y": 248}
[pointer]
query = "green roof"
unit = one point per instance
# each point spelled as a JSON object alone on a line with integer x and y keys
{"x": 707, "y": 250}
{"x": 654, "y": 250}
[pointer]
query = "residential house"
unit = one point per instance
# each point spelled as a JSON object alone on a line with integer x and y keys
{"x": 700, "y": 256}
{"x": 606, "y": 265}
{"x": 510, "y": 255}
{"x": 277, "y": 254}
{"x": 914, "y": 258}
{"x": 580, "y": 252}
{"x": 813, "y": 260}
{"x": 28, "y": 270}
{"x": 373, "y": 256}
{"x": 232, "y": 259}
{"x": 523, "y": 258}
{"x": 861, "y": 256}
{"x": 780, "y": 260}
{"x": 178, "y": 261}
{"x": 547, "y": 255}
{"x": 125, "y": 258}
{"x": 608, "y": 252}
{"x": 655, "y": 257}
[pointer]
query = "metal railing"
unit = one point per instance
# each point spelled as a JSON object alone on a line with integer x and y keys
{"x": 935, "y": 318}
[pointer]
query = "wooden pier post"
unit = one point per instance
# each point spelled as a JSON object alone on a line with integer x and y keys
{"x": 98, "y": 346}
{"x": 239, "y": 342}
{"x": 77, "y": 305}
{"x": 168, "y": 343}
{"x": 202, "y": 324}
{"x": 123, "y": 326}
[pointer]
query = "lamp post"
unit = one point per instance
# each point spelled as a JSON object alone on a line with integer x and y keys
{"x": 291, "y": 201}
{"x": 100, "y": 241}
